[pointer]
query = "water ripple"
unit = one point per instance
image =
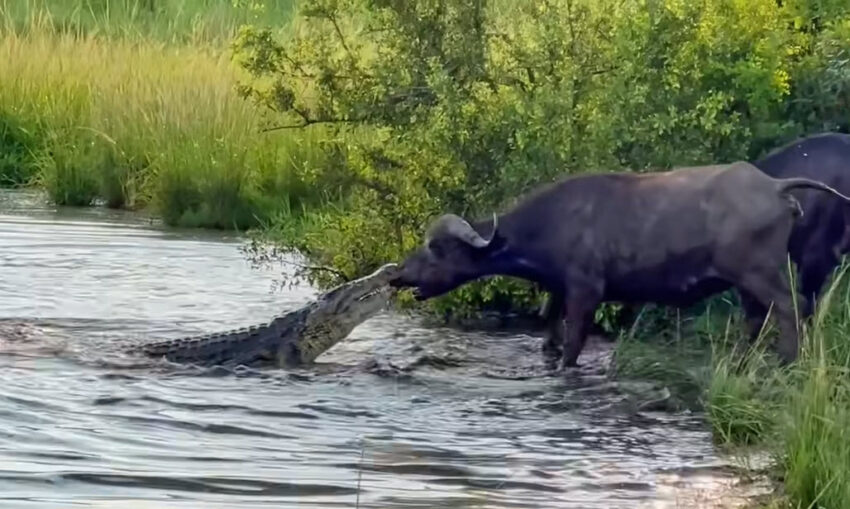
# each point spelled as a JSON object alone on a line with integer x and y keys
{"x": 398, "y": 415}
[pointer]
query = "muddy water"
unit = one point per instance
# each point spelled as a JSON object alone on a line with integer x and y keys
{"x": 452, "y": 432}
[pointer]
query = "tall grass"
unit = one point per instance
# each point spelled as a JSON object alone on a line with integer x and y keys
{"x": 815, "y": 425}
{"x": 143, "y": 123}
{"x": 193, "y": 22}
{"x": 801, "y": 413}
{"x": 798, "y": 414}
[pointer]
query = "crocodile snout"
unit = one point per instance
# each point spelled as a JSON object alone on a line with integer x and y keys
{"x": 387, "y": 273}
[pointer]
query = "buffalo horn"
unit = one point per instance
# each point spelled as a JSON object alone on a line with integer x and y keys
{"x": 457, "y": 227}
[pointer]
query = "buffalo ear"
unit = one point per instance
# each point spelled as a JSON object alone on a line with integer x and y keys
{"x": 497, "y": 242}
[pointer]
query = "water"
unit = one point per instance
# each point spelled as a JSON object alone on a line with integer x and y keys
{"x": 78, "y": 433}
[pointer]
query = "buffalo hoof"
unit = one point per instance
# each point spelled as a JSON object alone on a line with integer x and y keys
{"x": 551, "y": 355}
{"x": 565, "y": 364}
{"x": 552, "y": 367}
{"x": 551, "y": 349}
{"x": 551, "y": 358}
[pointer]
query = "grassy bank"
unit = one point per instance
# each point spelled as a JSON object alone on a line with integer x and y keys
{"x": 184, "y": 22}
{"x": 799, "y": 415}
{"x": 135, "y": 122}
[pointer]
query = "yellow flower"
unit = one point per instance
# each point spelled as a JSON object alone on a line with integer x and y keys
{"x": 782, "y": 81}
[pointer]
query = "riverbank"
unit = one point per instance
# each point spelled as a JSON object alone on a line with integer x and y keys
{"x": 797, "y": 417}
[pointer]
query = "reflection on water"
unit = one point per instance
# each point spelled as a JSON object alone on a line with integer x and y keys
{"x": 76, "y": 433}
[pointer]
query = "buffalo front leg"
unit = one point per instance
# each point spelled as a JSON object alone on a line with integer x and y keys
{"x": 579, "y": 307}
{"x": 555, "y": 332}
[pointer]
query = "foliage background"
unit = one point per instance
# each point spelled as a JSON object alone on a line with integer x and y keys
{"x": 386, "y": 113}
{"x": 461, "y": 106}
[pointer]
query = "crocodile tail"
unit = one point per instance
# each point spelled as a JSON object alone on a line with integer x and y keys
{"x": 242, "y": 346}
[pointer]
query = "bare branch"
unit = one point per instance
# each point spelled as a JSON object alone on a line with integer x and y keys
{"x": 373, "y": 185}
{"x": 308, "y": 121}
{"x": 341, "y": 37}
{"x": 319, "y": 268}
{"x": 297, "y": 65}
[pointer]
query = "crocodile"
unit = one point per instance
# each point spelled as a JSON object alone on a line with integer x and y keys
{"x": 295, "y": 338}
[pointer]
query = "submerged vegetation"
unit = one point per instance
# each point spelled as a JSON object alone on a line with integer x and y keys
{"x": 385, "y": 113}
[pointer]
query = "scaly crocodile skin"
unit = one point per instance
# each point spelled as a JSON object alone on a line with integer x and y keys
{"x": 292, "y": 339}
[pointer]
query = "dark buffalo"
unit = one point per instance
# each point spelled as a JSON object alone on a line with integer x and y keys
{"x": 671, "y": 238}
{"x": 820, "y": 238}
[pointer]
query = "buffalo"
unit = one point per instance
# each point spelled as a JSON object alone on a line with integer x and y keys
{"x": 671, "y": 237}
{"x": 822, "y": 236}
{"x": 818, "y": 240}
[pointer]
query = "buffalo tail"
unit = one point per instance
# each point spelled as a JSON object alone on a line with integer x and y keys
{"x": 788, "y": 184}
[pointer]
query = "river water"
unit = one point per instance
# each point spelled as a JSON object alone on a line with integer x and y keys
{"x": 76, "y": 432}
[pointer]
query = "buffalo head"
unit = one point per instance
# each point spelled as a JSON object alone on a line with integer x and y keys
{"x": 453, "y": 254}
